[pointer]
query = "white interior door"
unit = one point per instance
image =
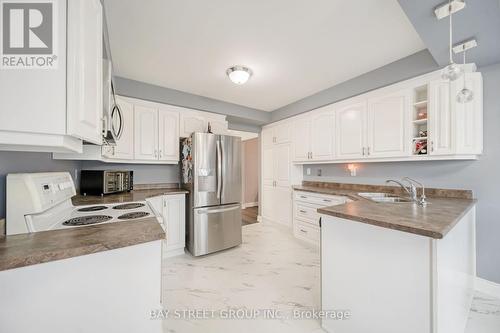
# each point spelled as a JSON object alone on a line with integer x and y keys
{"x": 387, "y": 119}
{"x": 168, "y": 134}
{"x": 323, "y": 134}
{"x": 301, "y": 139}
{"x": 440, "y": 118}
{"x": 146, "y": 133}
{"x": 85, "y": 76}
{"x": 350, "y": 126}
{"x": 124, "y": 148}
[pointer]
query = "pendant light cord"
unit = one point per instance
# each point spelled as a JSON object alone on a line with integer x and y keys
{"x": 451, "y": 31}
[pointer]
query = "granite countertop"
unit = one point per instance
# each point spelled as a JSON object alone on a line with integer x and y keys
{"x": 40, "y": 247}
{"x": 445, "y": 208}
{"x": 135, "y": 195}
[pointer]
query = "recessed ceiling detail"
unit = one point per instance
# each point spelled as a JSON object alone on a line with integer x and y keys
{"x": 294, "y": 48}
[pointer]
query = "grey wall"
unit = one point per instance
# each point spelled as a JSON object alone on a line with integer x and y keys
{"x": 143, "y": 174}
{"x": 411, "y": 66}
{"x": 17, "y": 162}
{"x": 236, "y": 113}
{"x": 482, "y": 176}
{"x": 479, "y": 19}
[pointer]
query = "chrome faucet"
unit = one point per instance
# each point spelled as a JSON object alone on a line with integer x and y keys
{"x": 411, "y": 189}
{"x": 422, "y": 201}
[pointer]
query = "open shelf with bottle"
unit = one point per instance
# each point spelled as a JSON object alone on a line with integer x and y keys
{"x": 419, "y": 120}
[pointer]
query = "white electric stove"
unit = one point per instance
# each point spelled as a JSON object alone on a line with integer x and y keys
{"x": 42, "y": 201}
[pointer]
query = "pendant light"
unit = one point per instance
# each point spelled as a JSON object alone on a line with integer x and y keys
{"x": 452, "y": 71}
{"x": 465, "y": 95}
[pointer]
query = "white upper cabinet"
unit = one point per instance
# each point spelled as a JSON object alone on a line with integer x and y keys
{"x": 469, "y": 117}
{"x": 418, "y": 119}
{"x": 322, "y": 135}
{"x": 387, "y": 125}
{"x": 85, "y": 100}
{"x": 267, "y": 137}
{"x": 440, "y": 118}
{"x": 197, "y": 121}
{"x": 54, "y": 109}
{"x": 168, "y": 134}
{"x": 146, "y": 133}
{"x": 301, "y": 128}
{"x": 282, "y": 133}
{"x": 350, "y": 131}
{"x": 313, "y": 136}
{"x": 192, "y": 122}
{"x": 124, "y": 148}
{"x": 218, "y": 126}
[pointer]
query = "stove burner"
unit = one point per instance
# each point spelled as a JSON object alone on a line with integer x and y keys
{"x": 129, "y": 206}
{"x": 85, "y": 220}
{"x": 92, "y": 208}
{"x": 132, "y": 215}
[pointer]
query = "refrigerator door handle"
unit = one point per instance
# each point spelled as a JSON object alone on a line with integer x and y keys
{"x": 217, "y": 210}
{"x": 219, "y": 169}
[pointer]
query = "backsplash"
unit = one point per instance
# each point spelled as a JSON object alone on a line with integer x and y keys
{"x": 143, "y": 174}
{"x": 19, "y": 162}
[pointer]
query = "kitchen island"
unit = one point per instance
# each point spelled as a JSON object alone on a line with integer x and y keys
{"x": 398, "y": 267}
{"x": 99, "y": 278}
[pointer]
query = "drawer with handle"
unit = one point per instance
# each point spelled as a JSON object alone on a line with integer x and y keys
{"x": 307, "y": 232}
{"x": 307, "y": 213}
{"x": 319, "y": 199}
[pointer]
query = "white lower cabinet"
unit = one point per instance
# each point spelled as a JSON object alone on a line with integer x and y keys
{"x": 174, "y": 221}
{"x": 305, "y": 216}
{"x": 171, "y": 213}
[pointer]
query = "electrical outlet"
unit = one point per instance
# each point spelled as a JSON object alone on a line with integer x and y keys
{"x": 308, "y": 171}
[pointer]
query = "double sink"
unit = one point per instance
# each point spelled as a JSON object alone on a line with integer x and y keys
{"x": 384, "y": 197}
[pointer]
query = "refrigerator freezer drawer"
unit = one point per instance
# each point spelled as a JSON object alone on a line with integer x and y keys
{"x": 215, "y": 228}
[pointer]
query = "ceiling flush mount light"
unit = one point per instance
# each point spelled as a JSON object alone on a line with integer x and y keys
{"x": 239, "y": 74}
{"x": 452, "y": 71}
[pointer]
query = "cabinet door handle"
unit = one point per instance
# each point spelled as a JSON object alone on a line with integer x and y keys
{"x": 302, "y": 211}
{"x": 113, "y": 152}
{"x": 327, "y": 200}
{"x": 368, "y": 151}
{"x": 303, "y": 197}
{"x": 156, "y": 153}
{"x": 161, "y": 153}
{"x": 432, "y": 146}
{"x": 304, "y": 231}
{"x": 363, "y": 151}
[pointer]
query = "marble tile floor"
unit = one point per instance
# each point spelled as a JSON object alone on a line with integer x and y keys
{"x": 270, "y": 270}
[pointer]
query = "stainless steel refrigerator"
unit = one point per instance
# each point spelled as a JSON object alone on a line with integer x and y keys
{"x": 211, "y": 171}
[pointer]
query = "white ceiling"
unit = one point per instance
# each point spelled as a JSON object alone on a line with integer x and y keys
{"x": 294, "y": 47}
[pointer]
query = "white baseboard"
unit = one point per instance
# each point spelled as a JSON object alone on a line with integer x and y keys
{"x": 488, "y": 287}
{"x": 249, "y": 204}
